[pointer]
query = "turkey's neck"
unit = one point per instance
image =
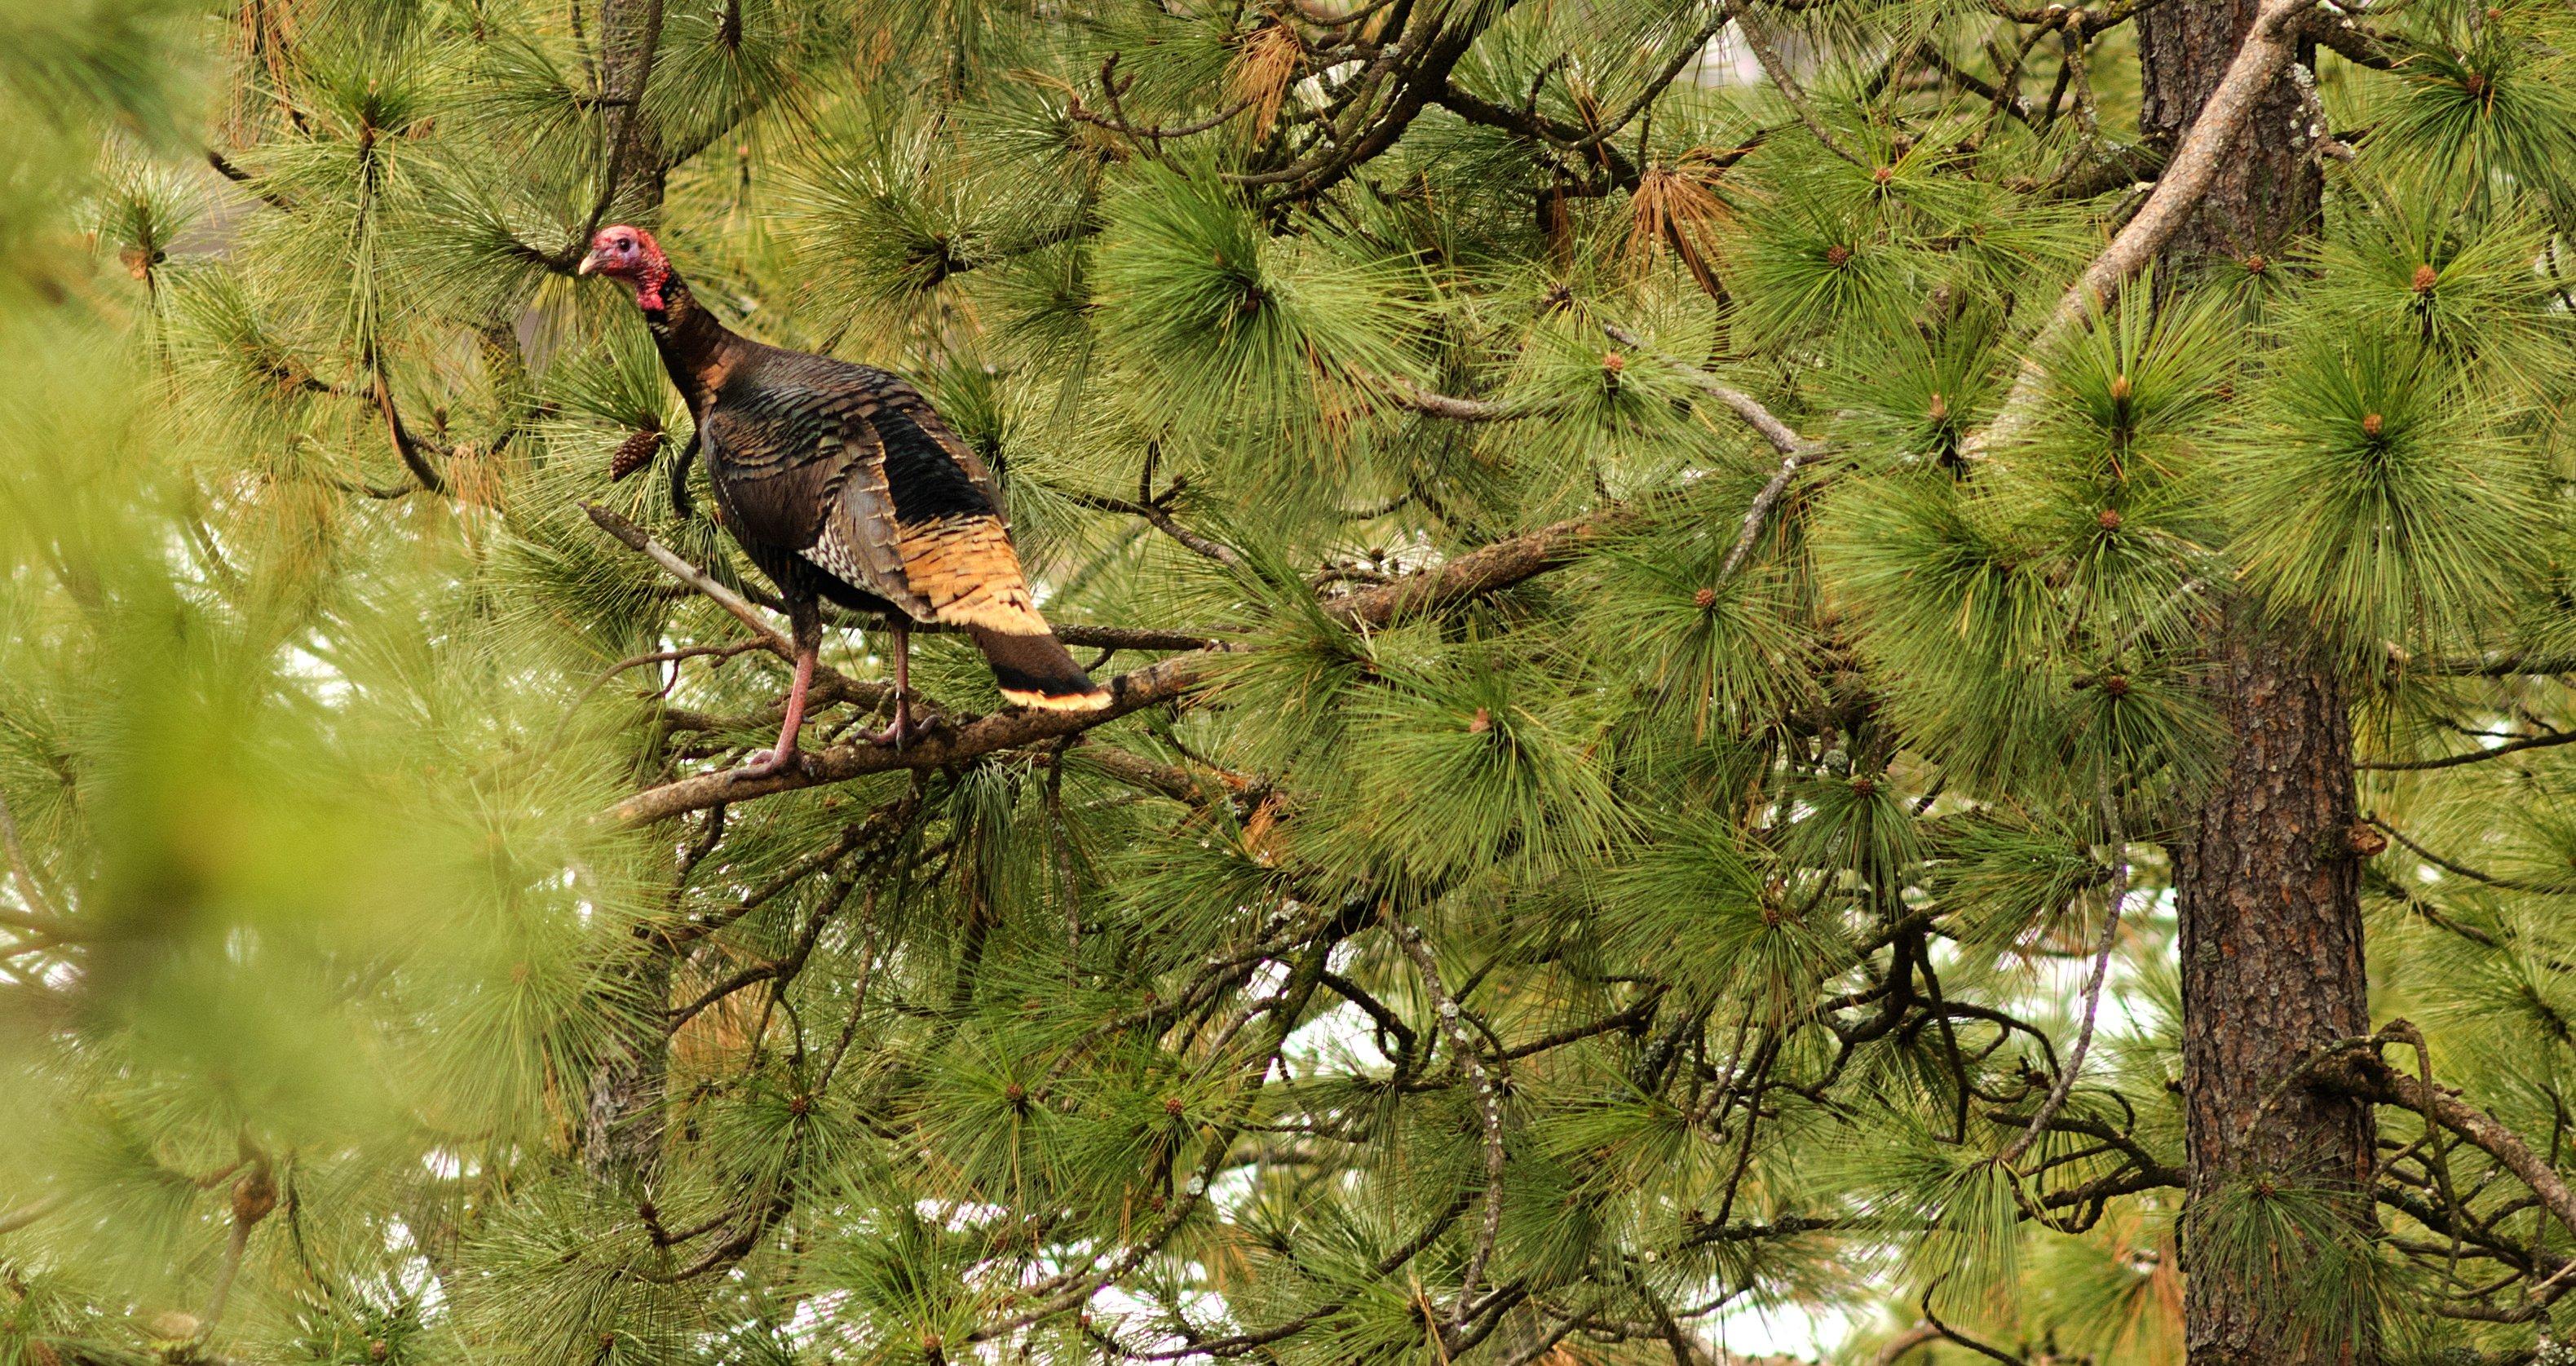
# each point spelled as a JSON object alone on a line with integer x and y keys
{"x": 698, "y": 350}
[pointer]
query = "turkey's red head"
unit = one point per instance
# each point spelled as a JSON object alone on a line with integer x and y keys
{"x": 630, "y": 254}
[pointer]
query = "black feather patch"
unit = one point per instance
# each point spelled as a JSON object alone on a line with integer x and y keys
{"x": 926, "y": 481}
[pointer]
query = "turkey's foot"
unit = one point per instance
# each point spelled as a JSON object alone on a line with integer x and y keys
{"x": 766, "y": 763}
{"x": 893, "y": 736}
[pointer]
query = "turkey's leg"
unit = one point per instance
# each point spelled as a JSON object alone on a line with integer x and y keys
{"x": 894, "y": 734}
{"x": 808, "y": 624}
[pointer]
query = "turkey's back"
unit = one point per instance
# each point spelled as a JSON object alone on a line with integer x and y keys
{"x": 825, "y": 471}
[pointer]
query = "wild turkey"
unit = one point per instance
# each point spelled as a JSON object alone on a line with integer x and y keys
{"x": 842, "y": 483}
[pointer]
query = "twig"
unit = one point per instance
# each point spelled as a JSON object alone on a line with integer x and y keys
{"x": 29, "y": 1213}
{"x": 1160, "y": 518}
{"x": 1781, "y": 435}
{"x": 1489, "y": 1106}
{"x": 1154, "y": 132}
{"x": 1960, "y": 1338}
{"x": 1455, "y": 409}
{"x": 2463, "y": 870}
{"x": 2065, "y": 1083}
{"x": 409, "y": 447}
{"x": 1795, "y": 450}
{"x": 2472, "y": 757}
{"x": 23, "y": 873}
{"x": 224, "y": 167}
{"x": 254, "y": 1195}
{"x": 1788, "y": 86}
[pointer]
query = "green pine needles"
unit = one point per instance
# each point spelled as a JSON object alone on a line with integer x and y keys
{"x": 1648, "y": 672}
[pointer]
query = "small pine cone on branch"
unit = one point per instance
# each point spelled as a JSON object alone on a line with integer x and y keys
{"x": 633, "y": 453}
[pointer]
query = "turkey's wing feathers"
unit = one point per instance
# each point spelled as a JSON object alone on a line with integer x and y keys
{"x": 954, "y": 544}
{"x": 859, "y": 542}
{"x": 854, "y": 473}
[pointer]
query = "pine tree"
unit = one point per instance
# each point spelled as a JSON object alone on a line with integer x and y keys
{"x": 1896, "y": 657}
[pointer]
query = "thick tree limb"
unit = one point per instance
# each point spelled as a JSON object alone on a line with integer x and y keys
{"x": 1150, "y": 686}
{"x": 2383, "y": 1085}
{"x": 1484, "y": 570}
{"x": 2269, "y": 45}
{"x": 1480, "y": 571}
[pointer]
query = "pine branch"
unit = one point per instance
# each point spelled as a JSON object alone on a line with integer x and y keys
{"x": 973, "y": 738}
{"x": 1795, "y": 450}
{"x": 1487, "y": 569}
{"x": 2269, "y": 45}
{"x": 40, "y": 914}
{"x": 2475, "y": 756}
{"x": 1787, "y": 84}
{"x": 1954, "y": 1335}
{"x": 1407, "y": 395}
{"x": 1160, "y": 518}
{"x": 224, "y": 167}
{"x": 2119, "y": 895}
{"x": 13, "y": 1220}
{"x": 1242, "y": 1344}
{"x": 1489, "y": 1107}
{"x": 1781, "y": 435}
{"x": 413, "y": 450}
{"x": 2497, "y": 665}
{"x": 2376, "y": 1082}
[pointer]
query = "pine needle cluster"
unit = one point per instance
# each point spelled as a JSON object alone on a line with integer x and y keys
{"x": 1651, "y": 780}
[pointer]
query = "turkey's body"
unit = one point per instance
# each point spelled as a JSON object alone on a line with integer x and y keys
{"x": 842, "y": 483}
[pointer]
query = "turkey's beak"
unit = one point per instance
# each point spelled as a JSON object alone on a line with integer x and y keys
{"x": 589, "y": 265}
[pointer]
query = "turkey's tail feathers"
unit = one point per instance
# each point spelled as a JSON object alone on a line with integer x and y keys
{"x": 1037, "y": 671}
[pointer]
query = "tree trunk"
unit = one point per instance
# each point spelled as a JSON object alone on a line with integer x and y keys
{"x": 621, "y": 1119}
{"x": 630, "y": 32}
{"x": 2266, "y": 886}
{"x": 2269, "y": 190}
{"x": 2271, "y": 968}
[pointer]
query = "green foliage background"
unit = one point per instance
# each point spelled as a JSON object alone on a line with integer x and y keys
{"x": 342, "y": 1023}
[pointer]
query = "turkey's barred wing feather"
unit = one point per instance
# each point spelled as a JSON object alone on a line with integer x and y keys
{"x": 860, "y": 541}
{"x": 768, "y": 479}
{"x": 951, "y": 544}
{"x": 850, "y": 471}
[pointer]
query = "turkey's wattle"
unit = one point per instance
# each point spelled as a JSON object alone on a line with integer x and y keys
{"x": 841, "y": 482}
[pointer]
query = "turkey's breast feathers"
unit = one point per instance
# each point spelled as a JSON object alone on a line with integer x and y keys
{"x": 826, "y": 468}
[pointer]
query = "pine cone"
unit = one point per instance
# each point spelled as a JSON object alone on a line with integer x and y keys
{"x": 633, "y": 453}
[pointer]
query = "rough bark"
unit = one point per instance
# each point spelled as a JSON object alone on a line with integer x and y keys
{"x": 2268, "y": 189}
{"x": 630, "y": 31}
{"x": 2269, "y": 895}
{"x": 2267, "y": 888}
{"x": 621, "y": 1120}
